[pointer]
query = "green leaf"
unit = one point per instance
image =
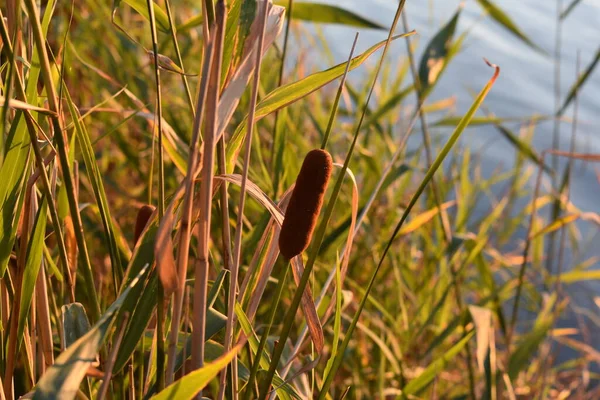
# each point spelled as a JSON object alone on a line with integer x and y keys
{"x": 428, "y": 375}
{"x": 241, "y": 14}
{"x": 188, "y": 386}
{"x": 292, "y": 92}
{"x": 523, "y": 147}
{"x": 141, "y": 7}
{"x": 62, "y": 379}
{"x": 481, "y": 121}
{"x": 329, "y": 14}
{"x": 75, "y": 323}
{"x": 35, "y": 251}
{"x": 579, "y": 276}
{"x": 95, "y": 178}
{"x": 580, "y": 82}
{"x": 503, "y": 19}
{"x": 437, "y": 54}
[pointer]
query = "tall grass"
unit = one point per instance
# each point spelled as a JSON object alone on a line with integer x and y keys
{"x": 124, "y": 275}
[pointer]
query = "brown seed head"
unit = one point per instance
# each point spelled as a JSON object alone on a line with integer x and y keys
{"x": 305, "y": 203}
{"x": 143, "y": 216}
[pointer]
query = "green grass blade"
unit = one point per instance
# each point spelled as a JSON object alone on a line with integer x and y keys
{"x": 35, "y": 250}
{"x": 436, "y": 55}
{"x": 503, "y": 19}
{"x": 428, "y": 375}
{"x": 576, "y": 88}
{"x": 569, "y": 8}
{"x": 328, "y": 14}
{"x": 95, "y": 177}
{"x": 194, "y": 382}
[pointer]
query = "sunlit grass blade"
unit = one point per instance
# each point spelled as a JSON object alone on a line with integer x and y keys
{"x": 503, "y": 19}
{"x": 576, "y": 87}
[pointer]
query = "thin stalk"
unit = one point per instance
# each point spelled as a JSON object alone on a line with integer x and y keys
{"x": 443, "y": 216}
{"x": 338, "y": 95}
{"x": 108, "y": 368}
{"x": 521, "y": 275}
{"x": 186, "y": 213}
{"x": 160, "y": 310}
{"x": 561, "y": 250}
{"x": 201, "y": 272}
{"x": 556, "y": 122}
{"x": 173, "y": 32}
{"x": 237, "y": 246}
{"x": 61, "y": 147}
{"x": 290, "y": 315}
{"x": 286, "y": 37}
{"x": 283, "y": 272}
{"x": 425, "y": 130}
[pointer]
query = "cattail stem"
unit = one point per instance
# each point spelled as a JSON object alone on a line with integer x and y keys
{"x": 283, "y": 272}
{"x": 201, "y": 272}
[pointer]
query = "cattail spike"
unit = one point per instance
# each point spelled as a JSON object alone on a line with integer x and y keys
{"x": 144, "y": 214}
{"x": 305, "y": 204}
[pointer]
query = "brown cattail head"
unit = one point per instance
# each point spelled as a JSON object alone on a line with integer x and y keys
{"x": 305, "y": 203}
{"x": 143, "y": 216}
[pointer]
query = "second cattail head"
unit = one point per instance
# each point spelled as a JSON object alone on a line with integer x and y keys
{"x": 144, "y": 214}
{"x": 305, "y": 204}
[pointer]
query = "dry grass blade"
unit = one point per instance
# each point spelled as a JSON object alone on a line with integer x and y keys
{"x": 186, "y": 216}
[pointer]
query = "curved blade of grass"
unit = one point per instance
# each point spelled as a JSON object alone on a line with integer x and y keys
{"x": 569, "y": 8}
{"x": 556, "y": 225}
{"x": 503, "y": 19}
{"x": 489, "y": 120}
{"x": 188, "y": 386}
{"x": 428, "y": 375}
{"x": 432, "y": 170}
{"x": 140, "y": 6}
{"x": 292, "y": 92}
{"x": 21, "y": 105}
{"x": 329, "y": 14}
{"x": 62, "y": 379}
{"x": 35, "y": 249}
{"x": 95, "y": 177}
{"x": 576, "y": 88}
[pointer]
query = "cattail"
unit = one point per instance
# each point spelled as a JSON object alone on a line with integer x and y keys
{"x": 305, "y": 203}
{"x": 143, "y": 216}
